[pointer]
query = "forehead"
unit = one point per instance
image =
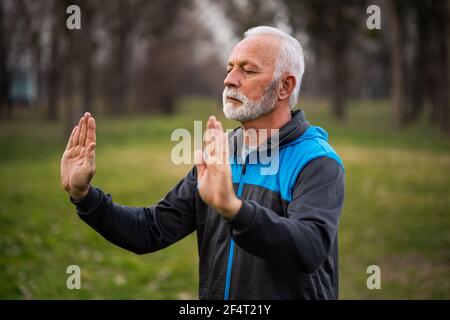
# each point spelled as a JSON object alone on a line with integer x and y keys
{"x": 262, "y": 50}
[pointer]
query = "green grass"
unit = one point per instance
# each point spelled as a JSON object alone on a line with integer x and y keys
{"x": 396, "y": 214}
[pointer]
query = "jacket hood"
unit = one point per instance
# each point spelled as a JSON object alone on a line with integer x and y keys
{"x": 294, "y": 129}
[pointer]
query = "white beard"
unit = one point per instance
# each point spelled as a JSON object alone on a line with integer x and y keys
{"x": 249, "y": 109}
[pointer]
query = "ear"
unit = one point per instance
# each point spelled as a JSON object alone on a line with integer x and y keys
{"x": 288, "y": 83}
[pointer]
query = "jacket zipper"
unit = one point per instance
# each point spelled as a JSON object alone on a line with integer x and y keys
{"x": 231, "y": 250}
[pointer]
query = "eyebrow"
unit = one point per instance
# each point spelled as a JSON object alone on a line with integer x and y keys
{"x": 243, "y": 63}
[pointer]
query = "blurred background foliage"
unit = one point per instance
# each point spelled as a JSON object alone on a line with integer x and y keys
{"x": 145, "y": 68}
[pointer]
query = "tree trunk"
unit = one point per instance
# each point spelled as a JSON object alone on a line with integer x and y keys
{"x": 5, "y": 105}
{"x": 339, "y": 78}
{"x": 398, "y": 63}
{"x": 54, "y": 75}
{"x": 86, "y": 41}
{"x": 118, "y": 89}
{"x": 446, "y": 124}
{"x": 419, "y": 70}
{"x": 443, "y": 98}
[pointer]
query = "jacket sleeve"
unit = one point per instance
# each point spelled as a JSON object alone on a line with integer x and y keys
{"x": 143, "y": 229}
{"x": 305, "y": 238}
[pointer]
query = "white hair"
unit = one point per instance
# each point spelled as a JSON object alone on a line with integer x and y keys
{"x": 290, "y": 59}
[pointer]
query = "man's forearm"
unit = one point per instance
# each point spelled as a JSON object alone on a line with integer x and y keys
{"x": 141, "y": 229}
{"x": 123, "y": 226}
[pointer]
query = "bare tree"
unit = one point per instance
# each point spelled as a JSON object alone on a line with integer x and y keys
{"x": 332, "y": 29}
{"x": 439, "y": 96}
{"x": 54, "y": 70}
{"x": 87, "y": 47}
{"x": 168, "y": 48}
{"x": 399, "y": 92}
{"x": 4, "y": 78}
{"x": 122, "y": 18}
{"x": 20, "y": 37}
{"x": 419, "y": 60}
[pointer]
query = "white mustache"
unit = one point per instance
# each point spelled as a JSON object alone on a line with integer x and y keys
{"x": 235, "y": 94}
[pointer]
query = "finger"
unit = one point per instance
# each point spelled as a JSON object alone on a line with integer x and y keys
{"x": 211, "y": 160}
{"x": 70, "y": 142}
{"x": 211, "y": 135}
{"x": 219, "y": 126}
{"x": 226, "y": 150}
{"x": 209, "y": 125}
{"x": 211, "y": 122}
{"x": 76, "y": 138}
{"x": 209, "y": 151}
{"x": 198, "y": 157}
{"x": 91, "y": 134}
{"x": 84, "y": 125}
{"x": 216, "y": 134}
{"x": 215, "y": 127}
{"x": 200, "y": 164}
{"x": 221, "y": 149}
{"x": 90, "y": 155}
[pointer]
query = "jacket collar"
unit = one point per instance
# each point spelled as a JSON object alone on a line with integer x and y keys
{"x": 290, "y": 132}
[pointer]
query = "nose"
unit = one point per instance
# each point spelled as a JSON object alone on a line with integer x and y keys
{"x": 232, "y": 79}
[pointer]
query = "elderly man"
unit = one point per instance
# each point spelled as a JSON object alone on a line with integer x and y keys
{"x": 260, "y": 236}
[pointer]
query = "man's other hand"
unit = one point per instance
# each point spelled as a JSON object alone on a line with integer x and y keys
{"x": 78, "y": 160}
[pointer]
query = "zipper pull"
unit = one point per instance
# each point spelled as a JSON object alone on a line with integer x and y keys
{"x": 244, "y": 166}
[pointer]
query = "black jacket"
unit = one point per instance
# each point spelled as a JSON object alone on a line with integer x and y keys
{"x": 282, "y": 244}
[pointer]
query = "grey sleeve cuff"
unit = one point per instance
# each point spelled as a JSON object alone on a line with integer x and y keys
{"x": 243, "y": 219}
{"x": 89, "y": 201}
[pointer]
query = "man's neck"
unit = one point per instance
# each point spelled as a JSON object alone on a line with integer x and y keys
{"x": 275, "y": 119}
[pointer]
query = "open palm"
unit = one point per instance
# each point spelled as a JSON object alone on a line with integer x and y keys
{"x": 78, "y": 160}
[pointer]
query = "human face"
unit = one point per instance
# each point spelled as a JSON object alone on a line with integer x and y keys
{"x": 250, "y": 88}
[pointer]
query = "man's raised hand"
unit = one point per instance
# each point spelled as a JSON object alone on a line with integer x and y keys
{"x": 214, "y": 178}
{"x": 78, "y": 160}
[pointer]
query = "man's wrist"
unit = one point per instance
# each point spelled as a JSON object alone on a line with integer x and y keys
{"x": 89, "y": 202}
{"x": 231, "y": 209}
{"x": 79, "y": 195}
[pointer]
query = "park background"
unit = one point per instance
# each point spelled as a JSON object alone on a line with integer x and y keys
{"x": 145, "y": 68}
